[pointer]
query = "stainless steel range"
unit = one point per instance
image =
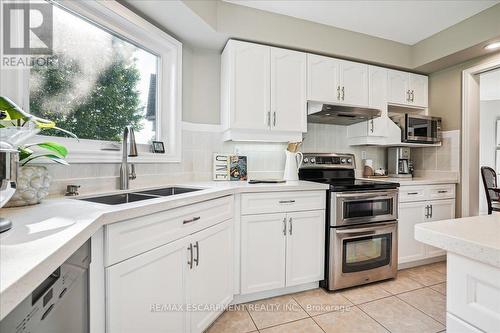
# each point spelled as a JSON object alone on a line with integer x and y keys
{"x": 361, "y": 226}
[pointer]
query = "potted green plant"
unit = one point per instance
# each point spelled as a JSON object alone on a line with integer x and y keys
{"x": 16, "y": 127}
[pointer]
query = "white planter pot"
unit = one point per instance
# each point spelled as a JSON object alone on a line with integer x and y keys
{"x": 33, "y": 184}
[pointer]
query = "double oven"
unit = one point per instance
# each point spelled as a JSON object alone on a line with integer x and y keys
{"x": 362, "y": 237}
{"x": 361, "y": 225}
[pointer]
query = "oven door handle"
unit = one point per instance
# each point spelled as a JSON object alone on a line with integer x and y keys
{"x": 367, "y": 196}
{"x": 367, "y": 230}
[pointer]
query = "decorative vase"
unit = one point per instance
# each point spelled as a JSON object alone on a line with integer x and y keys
{"x": 33, "y": 184}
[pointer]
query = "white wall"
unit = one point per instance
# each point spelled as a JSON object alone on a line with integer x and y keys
{"x": 489, "y": 114}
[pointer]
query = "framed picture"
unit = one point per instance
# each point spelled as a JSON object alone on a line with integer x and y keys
{"x": 158, "y": 147}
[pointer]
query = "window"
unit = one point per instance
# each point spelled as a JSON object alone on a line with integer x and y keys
{"x": 109, "y": 69}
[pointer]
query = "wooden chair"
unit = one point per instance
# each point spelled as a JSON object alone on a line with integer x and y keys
{"x": 490, "y": 186}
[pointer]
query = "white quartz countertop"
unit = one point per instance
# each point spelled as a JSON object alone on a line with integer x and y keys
{"x": 417, "y": 180}
{"x": 477, "y": 237}
{"x": 45, "y": 235}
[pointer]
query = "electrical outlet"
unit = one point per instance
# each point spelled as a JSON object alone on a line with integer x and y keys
{"x": 363, "y": 155}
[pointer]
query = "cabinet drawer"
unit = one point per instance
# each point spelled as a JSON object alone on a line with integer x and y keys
{"x": 445, "y": 191}
{"x": 280, "y": 202}
{"x": 131, "y": 237}
{"x": 411, "y": 193}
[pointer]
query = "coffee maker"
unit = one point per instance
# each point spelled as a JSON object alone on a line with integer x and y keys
{"x": 399, "y": 163}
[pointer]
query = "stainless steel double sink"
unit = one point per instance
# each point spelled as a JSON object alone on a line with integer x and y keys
{"x": 121, "y": 198}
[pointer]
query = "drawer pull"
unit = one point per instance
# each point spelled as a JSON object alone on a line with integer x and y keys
{"x": 286, "y": 201}
{"x": 442, "y": 191}
{"x": 412, "y": 193}
{"x": 196, "y": 218}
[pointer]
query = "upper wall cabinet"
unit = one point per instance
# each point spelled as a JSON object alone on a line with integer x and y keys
{"x": 336, "y": 81}
{"x": 407, "y": 89}
{"x": 263, "y": 93}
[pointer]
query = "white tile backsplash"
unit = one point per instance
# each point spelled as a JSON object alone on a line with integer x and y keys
{"x": 265, "y": 160}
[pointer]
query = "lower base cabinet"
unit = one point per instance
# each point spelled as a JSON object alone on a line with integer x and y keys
{"x": 174, "y": 287}
{"x": 412, "y": 213}
{"x": 281, "y": 250}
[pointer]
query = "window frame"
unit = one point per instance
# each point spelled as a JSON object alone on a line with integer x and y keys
{"x": 119, "y": 20}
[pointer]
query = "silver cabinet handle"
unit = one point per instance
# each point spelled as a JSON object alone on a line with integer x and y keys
{"x": 412, "y": 193}
{"x": 412, "y": 96}
{"x": 371, "y": 124}
{"x": 408, "y": 96}
{"x": 442, "y": 191}
{"x": 268, "y": 118}
{"x": 427, "y": 211}
{"x": 190, "y": 262}
{"x": 196, "y": 218}
{"x": 338, "y": 93}
{"x": 291, "y": 226}
{"x": 430, "y": 211}
{"x": 343, "y": 92}
{"x": 284, "y": 226}
{"x": 197, "y": 259}
{"x": 286, "y": 201}
{"x": 274, "y": 119}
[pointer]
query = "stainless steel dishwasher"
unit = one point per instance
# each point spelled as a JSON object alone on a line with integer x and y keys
{"x": 59, "y": 304}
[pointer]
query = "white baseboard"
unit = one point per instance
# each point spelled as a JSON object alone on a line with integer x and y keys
{"x": 421, "y": 262}
{"x": 238, "y": 299}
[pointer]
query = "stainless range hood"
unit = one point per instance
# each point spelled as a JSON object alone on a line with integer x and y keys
{"x": 323, "y": 113}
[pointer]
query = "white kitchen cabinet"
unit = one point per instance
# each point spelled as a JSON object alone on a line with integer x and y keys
{"x": 142, "y": 292}
{"x": 281, "y": 250}
{"x": 421, "y": 204}
{"x": 439, "y": 210}
{"x": 262, "y": 252}
{"x": 305, "y": 248}
{"x": 398, "y": 84}
{"x": 354, "y": 83}
{"x": 263, "y": 92}
{"x": 210, "y": 281}
{"x": 377, "y": 86}
{"x": 288, "y": 90}
{"x": 337, "y": 81}
{"x": 138, "y": 289}
{"x": 323, "y": 79}
{"x": 407, "y": 89}
{"x": 249, "y": 76}
{"x": 419, "y": 86}
{"x": 409, "y": 249}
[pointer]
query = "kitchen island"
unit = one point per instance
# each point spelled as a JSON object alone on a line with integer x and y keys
{"x": 473, "y": 268}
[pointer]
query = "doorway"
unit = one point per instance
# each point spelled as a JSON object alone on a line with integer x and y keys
{"x": 489, "y": 125}
{"x": 471, "y": 186}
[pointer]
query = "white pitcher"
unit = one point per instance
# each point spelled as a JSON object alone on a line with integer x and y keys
{"x": 292, "y": 165}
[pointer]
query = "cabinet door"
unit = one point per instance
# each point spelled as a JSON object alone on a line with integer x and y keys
{"x": 305, "y": 247}
{"x": 377, "y": 86}
{"x": 250, "y": 76}
{"x": 419, "y": 88}
{"x": 210, "y": 281}
{"x": 397, "y": 87}
{"x": 140, "y": 290}
{"x": 323, "y": 79}
{"x": 410, "y": 214}
{"x": 354, "y": 83}
{"x": 262, "y": 252}
{"x": 288, "y": 90}
{"x": 441, "y": 210}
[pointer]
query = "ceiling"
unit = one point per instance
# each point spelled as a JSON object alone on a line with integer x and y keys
{"x": 404, "y": 21}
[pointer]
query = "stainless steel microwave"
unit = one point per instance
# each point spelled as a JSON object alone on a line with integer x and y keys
{"x": 419, "y": 129}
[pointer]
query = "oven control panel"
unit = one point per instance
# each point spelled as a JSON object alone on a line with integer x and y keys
{"x": 328, "y": 160}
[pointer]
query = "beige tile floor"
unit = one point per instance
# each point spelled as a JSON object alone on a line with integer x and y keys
{"x": 413, "y": 302}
